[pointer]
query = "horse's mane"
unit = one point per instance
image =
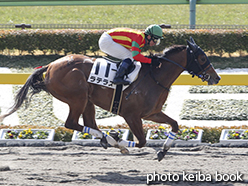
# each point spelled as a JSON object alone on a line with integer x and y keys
{"x": 173, "y": 49}
{"x": 168, "y": 51}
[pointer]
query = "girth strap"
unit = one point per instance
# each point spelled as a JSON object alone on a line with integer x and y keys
{"x": 116, "y": 100}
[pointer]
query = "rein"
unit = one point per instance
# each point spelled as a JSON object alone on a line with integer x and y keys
{"x": 190, "y": 53}
{"x": 173, "y": 62}
{"x": 192, "y": 73}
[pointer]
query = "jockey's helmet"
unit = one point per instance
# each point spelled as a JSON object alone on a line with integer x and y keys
{"x": 156, "y": 33}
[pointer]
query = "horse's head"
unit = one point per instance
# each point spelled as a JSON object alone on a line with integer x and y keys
{"x": 198, "y": 64}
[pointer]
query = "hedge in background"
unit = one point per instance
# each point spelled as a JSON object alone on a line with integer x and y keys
{"x": 82, "y": 41}
{"x": 74, "y": 41}
{"x": 212, "y": 41}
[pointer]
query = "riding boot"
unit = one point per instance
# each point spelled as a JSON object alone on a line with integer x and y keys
{"x": 119, "y": 77}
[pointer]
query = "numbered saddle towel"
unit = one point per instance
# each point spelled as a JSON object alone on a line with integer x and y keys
{"x": 103, "y": 72}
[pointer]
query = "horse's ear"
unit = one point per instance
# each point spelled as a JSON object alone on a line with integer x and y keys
{"x": 192, "y": 40}
{"x": 192, "y": 46}
{"x": 188, "y": 43}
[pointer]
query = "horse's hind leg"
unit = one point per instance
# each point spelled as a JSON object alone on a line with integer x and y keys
{"x": 89, "y": 116}
{"x": 76, "y": 96}
{"x": 78, "y": 107}
{"x": 73, "y": 117}
{"x": 72, "y": 89}
{"x": 90, "y": 123}
{"x": 91, "y": 127}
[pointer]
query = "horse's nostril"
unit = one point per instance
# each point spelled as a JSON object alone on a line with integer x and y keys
{"x": 218, "y": 78}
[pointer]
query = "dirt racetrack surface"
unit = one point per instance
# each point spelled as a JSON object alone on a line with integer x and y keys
{"x": 83, "y": 165}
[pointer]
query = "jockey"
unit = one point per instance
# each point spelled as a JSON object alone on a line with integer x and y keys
{"x": 126, "y": 44}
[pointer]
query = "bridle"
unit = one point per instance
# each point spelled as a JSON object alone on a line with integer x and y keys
{"x": 193, "y": 66}
{"x": 193, "y": 63}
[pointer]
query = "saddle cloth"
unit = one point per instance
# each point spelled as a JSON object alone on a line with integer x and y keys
{"x": 103, "y": 72}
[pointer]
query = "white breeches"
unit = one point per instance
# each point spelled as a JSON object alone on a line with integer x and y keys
{"x": 112, "y": 48}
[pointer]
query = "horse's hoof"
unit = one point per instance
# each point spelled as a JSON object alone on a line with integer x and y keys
{"x": 161, "y": 154}
{"x": 104, "y": 142}
{"x": 124, "y": 151}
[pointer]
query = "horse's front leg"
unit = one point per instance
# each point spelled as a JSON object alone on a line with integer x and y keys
{"x": 162, "y": 118}
{"x": 136, "y": 127}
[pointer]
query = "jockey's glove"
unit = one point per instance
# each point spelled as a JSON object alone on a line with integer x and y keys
{"x": 155, "y": 61}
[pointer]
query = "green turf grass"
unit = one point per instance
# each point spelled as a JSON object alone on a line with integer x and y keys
{"x": 125, "y": 14}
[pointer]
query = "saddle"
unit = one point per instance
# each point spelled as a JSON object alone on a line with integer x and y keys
{"x": 103, "y": 72}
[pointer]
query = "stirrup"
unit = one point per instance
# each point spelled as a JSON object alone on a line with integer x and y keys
{"x": 120, "y": 81}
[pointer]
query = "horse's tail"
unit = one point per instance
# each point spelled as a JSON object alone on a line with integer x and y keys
{"x": 36, "y": 82}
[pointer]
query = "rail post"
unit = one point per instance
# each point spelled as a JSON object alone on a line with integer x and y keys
{"x": 192, "y": 8}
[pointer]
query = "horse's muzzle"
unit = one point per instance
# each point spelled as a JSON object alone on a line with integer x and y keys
{"x": 214, "y": 80}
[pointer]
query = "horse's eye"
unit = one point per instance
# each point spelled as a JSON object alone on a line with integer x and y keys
{"x": 203, "y": 59}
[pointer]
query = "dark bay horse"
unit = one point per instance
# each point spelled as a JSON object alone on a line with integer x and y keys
{"x": 66, "y": 79}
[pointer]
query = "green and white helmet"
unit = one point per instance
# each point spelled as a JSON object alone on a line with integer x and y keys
{"x": 154, "y": 31}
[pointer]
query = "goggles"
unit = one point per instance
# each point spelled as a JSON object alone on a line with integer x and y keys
{"x": 156, "y": 41}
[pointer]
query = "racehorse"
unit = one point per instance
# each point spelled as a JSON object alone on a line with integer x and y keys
{"x": 66, "y": 79}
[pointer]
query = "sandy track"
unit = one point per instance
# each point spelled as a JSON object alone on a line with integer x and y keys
{"x": 80, "y": 165}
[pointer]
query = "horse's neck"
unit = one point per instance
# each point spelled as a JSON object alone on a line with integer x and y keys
{"x": 169, "y": 72}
